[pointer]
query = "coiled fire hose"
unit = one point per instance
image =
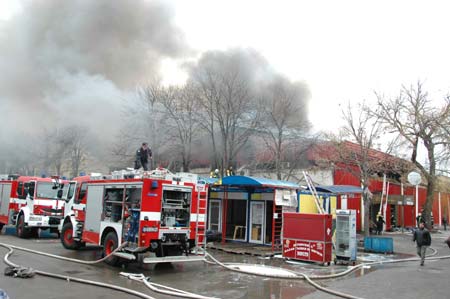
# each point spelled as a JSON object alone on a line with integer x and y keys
{"x": 69, "y": 278}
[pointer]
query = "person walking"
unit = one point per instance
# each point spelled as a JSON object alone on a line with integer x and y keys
{"x": 143, "y": 157}
{"x": 380, "y": 222}
{"x": 444, "y": 222}
{"x": 422, "y": 238}
{"x": 419, "y": 219}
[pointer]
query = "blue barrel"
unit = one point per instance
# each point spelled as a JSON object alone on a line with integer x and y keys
{"x": 10, "y": 230}
{"x": 379, "y": 244}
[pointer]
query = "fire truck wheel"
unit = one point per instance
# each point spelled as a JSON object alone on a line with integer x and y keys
{"x": 110, "y": 243}
{"x": 34, "y": 232}
{"x": 21, "y": 230}
{"x": 67, "y": 237}
{"x": 1, "y": 227}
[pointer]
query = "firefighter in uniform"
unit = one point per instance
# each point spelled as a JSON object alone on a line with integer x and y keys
{"x": 230, "y": 171}
{"x": 380, "y": 222}
{"x": 143, "y": 157}
{"x": 215, "y": 174}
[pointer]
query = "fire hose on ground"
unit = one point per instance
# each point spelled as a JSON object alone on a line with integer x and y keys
{"x": 154, "y": 287}
{"x": 235, "y": 267}
{"x": 295, "y": 275}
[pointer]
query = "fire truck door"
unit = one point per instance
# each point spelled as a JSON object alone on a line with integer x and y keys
{"x": 4, "y": 198}
{"x": 94, "y": 209}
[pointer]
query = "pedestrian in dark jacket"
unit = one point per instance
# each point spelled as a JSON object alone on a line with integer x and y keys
{"x": 444, "y": 222}
{"x": 422, "y": 238}
{"x": 380, "y": 222}
{"x": 419, "y": 219}
{"x": 143, "y": 157}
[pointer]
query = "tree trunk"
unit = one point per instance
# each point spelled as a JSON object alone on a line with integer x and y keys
{"x": 426, "y": 214}
{"x": 367, "y": 203}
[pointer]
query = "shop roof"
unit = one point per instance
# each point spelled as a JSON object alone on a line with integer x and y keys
{"x": 246, "y": 181}
{"x": 339, "y": 189}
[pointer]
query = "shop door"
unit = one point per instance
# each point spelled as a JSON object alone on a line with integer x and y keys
{"x": 215, "y": 214}
{"x": 257, "y": 222}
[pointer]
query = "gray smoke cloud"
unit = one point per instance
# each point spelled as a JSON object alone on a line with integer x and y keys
{"x": 254, "y": 69}
{"x": 245, "y": 72}
{"x": 73, "y": 62}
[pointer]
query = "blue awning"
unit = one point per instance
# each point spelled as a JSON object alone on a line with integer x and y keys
{"x": 339, "y": 189}
{"x": 246, "y": 181}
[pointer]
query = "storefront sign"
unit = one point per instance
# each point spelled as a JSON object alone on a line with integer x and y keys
{"x": 285, "y": 197}
{"x": 393, "y": 199}
{"x": 304, "y": 250}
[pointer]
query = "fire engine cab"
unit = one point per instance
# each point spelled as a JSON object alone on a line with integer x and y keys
{"x": 31, "y": 203}
{"x": 155, "y": 211}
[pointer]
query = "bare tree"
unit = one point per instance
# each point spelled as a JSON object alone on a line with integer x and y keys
{"x": 228, "y": 102}
{"x": 149, "y": 109}
{"x": 60, "y": 141}
{"x": 122, "y": 150}
{"x": 76, "y": 148}
{"x": 364, "y": 130}
{"x": 20, "y": 158}
{"x": 179, "y": 111}
{"x": 283, "y": 119}
{"x": 420, "y": 123}
{"x": 143, "y": 122}
{"x": 207, "y": 120}
{"x": 358, "y": 157}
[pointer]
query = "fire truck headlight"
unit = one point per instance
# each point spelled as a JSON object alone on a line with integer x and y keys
{"x": 163, "y": 238}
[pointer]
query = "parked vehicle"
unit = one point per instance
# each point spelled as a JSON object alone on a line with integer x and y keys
{"x": 156, "y": 211}
{"x": 31, "y": 203}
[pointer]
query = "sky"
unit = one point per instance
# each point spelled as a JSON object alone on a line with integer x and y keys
{"x": 343, "y": 50}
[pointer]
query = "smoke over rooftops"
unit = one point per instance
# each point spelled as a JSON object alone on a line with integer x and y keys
{"x": 73, "y": 61}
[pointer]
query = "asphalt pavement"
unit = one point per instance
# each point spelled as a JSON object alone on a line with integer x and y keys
{"x": 400, "y": 280}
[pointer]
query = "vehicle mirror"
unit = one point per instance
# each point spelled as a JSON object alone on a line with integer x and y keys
{"x": 31, "y": 191}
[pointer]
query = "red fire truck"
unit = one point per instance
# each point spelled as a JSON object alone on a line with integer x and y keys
{"x": 156, "y": 211}
{"x": 31, "y": 203}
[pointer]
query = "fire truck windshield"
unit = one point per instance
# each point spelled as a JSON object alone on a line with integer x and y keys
{"x": 45, "y": 190}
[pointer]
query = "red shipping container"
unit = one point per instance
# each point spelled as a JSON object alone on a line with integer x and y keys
{"x": 307, "y": 237}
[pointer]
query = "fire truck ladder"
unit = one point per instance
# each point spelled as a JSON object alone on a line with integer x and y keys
{"x": 200, "y": 224}
{"x": 311, "y": 187}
